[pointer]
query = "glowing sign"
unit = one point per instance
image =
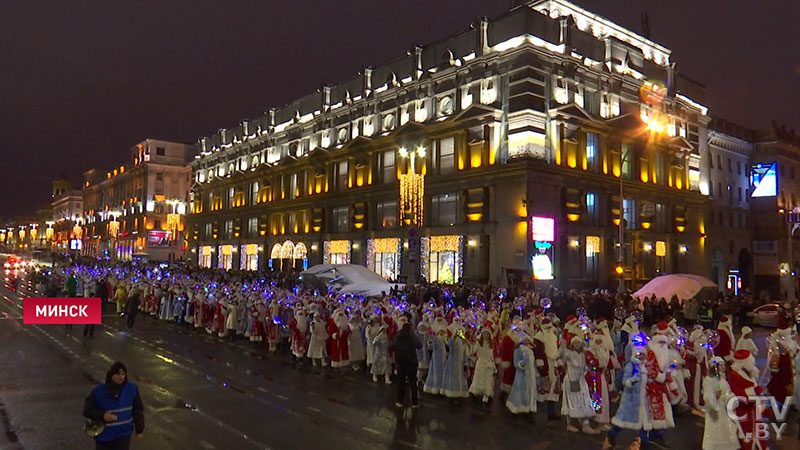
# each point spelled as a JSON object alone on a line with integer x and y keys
{"x": 542, "y": 267}
{"x": 764, "y": 179}
{"x": 543, "y": 229}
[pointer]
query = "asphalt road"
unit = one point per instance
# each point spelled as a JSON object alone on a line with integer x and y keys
{"x": 203, "y": 392}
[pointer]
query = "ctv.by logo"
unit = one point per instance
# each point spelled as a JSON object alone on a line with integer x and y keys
{"x": 761, "y": 429}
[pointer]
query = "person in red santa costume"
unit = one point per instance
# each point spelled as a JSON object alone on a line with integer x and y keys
{"x": 725, "y": 347}
{"x": 299, "y": 339}
{"x": 780, "y": 357}
{"x": 742, "y": 380}
{"x": 696, "y": 364}
{"x": 657, "y": 391}
{"x": 608, "y": 345}
{"x": 598, "y": 362}
{"x": 545, "y": 349}
{"x": 508, "y": 344}
{"x": 273, "y": 318}
{"x": 339, "y": 333}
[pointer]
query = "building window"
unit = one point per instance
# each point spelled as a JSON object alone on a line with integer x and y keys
{"x": 387, "y": 166}
{"x": 739, "y": 168}
{"x": 591, "y": 148}
{"x": 591, "y": 207}
{"x": 730, "y": 169}
{"x": 341, "y": 175}
{"x": 711, "y": 160}
{"x": 252, "y": 226}
{"x": 292, "y": 225}
{"x": 627, "y": 161}
{"x": 293, "y": 185}
{"x": 712, "y": 217}
{"x": 228, "y": 229}
{"x": 207, "y": 231}
{"x": 159, "y": 176}
{"x": 160, "y": 151}
{"x": 231, "y": 193}
{"x": 719, "y": 162}
{"x": 341, "y": 219}
{"x": 721, "y": 219}
{"x": 444, "y": 209}
{"x": 254, "y": 192}
{"x": 711, "y": 189}
{"x": 446, "y": 157}
{"x": 630, "y": 214}
{"x": 740, "y": 195}
{"x": 387, "y": 214}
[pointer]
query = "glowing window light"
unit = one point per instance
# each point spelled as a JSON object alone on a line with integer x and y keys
{"x": 450, "y": 243}
{"x": 661, "y": 248}
{"x": 276, "y": 251}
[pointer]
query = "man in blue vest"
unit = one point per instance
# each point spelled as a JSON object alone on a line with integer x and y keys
{"x": 116, "y": 403}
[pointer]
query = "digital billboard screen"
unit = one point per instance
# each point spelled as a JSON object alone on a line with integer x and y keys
{"x": 764, "y": 180}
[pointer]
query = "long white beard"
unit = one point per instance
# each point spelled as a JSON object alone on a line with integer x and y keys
{"x": 601, "y": 354}
{"x": 302, "y": 325}
{"x": 662, "y": 355}
{"x": 550, "y": 341}
{"x": 340, "y": 321}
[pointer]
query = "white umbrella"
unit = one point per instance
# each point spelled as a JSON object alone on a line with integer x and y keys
{"x": 685, "y": 286}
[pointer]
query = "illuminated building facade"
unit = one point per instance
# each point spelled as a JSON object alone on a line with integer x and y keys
{"x": 503, "y": 149}
{"x": 728, "y": 221}
{"x": 138, "y": 209}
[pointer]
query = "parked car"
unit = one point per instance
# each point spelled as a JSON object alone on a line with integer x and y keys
{"x": 765, "y": 315}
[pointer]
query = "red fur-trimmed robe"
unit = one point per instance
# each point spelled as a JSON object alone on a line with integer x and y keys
{"x": 657, "y": 396}
{"x": 744, "y": 386}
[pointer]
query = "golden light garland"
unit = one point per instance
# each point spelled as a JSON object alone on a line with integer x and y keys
{"x": 412, "y": 197}
{"x": 445, "y": 243}
{"x": 340, "y": 246}
{"x": 592, "y": 245}
{"x": 48, "y": 234}
{"x": 113, "y": 228}
{"x": 173, "y": 222}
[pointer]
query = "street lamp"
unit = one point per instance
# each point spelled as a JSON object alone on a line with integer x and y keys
{"x": 655, "y": 126}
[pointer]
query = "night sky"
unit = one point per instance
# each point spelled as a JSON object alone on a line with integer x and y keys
{"x": 82, "y": 82}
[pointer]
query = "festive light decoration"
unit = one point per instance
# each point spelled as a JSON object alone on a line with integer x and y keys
{"x": 173, "y": 222}
{"x": 391, "y": 246}
{"x": 412, "y": 189}
{"x": 412, "y": 198}
{"x": 440, "y": 244}
{"x": 339, "y": 247}
{"x": 592, "y": 245}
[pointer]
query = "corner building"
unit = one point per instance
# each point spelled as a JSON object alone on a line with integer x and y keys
{"x": 500, "y": 152}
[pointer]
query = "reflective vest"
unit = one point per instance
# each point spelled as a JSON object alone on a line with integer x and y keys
{"x": 122, "y": 407}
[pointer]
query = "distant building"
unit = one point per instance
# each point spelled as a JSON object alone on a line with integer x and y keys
{"x": 138, "y": 209}
{"x": 729, "y": 223}
{"x": 67, "y": 211}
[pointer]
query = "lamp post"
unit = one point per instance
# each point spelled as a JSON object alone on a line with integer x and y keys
{"x": 412, "y": 198}
{"x": 655, "y": 127}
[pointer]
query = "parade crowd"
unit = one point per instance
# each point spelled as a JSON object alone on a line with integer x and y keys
{"x": 597, "y": 361}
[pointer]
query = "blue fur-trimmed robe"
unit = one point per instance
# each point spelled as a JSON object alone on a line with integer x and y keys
{"x": 454, "y": 383}
{"x": 433, "y": 384}
{"x": 631, "y": 413}
{"x": 522, "y": 398}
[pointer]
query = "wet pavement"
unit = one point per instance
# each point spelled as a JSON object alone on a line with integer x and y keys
{"x": 204, "y": 392}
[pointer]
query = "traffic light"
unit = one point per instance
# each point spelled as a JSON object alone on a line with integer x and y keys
{"x": 618, "y": 269}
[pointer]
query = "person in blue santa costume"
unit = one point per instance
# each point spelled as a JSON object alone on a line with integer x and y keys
{"x": 434, "y": 380}
{"x": 454, "y": 382}
{"x": 631, "y": 414}
{"x": 523, "y": 396}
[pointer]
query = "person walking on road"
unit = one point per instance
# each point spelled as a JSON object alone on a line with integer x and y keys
{"x": 132, "y": 307}
{"x": 116, "y": 403}
{"x": 405, "y": 346}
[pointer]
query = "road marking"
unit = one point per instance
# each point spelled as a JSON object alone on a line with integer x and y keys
{"x": 262, "y": 389}
{"x": 205, "y": 444}
{"x": 316, "y": 410}
{"x": 282, "y": 397}
{"x": 408, "y": 444}
{"x": 370, "y": 430}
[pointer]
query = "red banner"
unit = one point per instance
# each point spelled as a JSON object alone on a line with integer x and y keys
{"x": 78, "y": 311}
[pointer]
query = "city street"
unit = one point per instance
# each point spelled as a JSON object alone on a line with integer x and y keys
{"x": 202, "y": 392}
